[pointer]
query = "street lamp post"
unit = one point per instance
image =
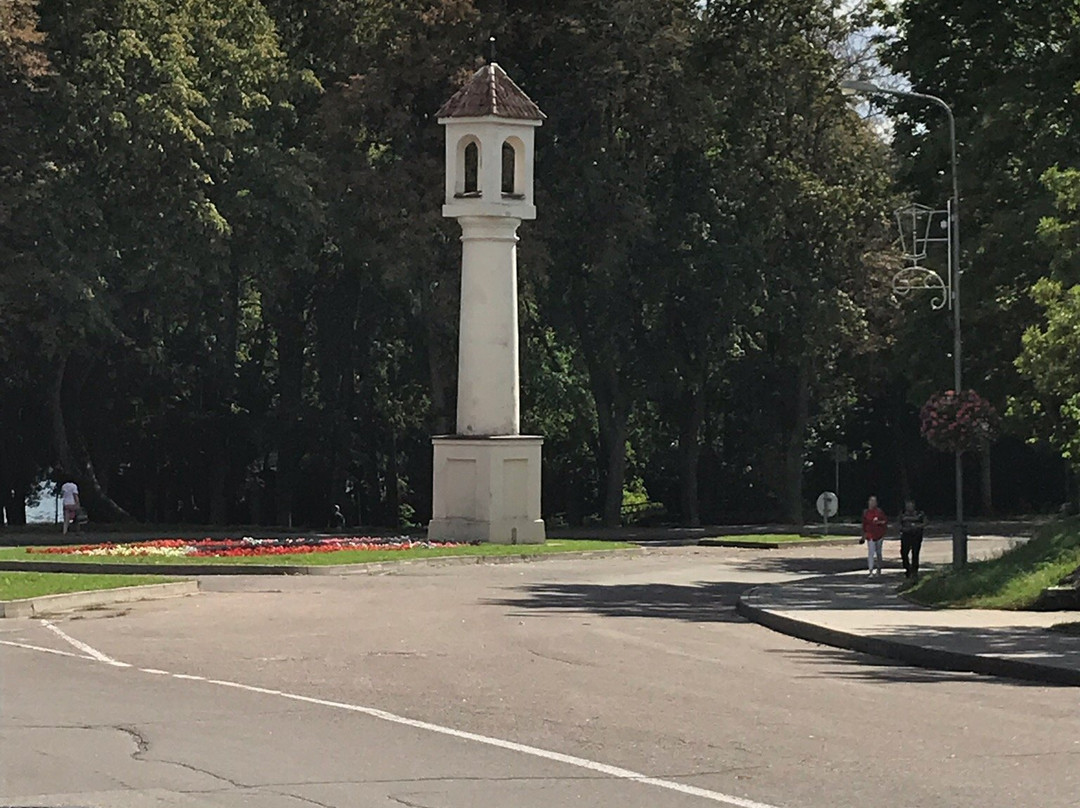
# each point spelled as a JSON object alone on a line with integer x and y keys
{"x": 959, "y": 536}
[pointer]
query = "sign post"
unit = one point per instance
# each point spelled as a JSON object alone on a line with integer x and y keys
{"x": 827, "y": 505}
{"x": 839, "y": 455}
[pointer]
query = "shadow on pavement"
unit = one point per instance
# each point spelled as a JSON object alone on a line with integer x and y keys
{"x": 837, "y": 663}
{"x": 1029, "y": 643}
{"x": 806, "y": 565}
{"x": 847, "y": 593}
{"x": 702, "y": 602}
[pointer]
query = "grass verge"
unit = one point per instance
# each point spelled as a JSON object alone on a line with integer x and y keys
{"x": 770, "y": 539}
{"x": 338, "y": 557}
{"x": 1013, "y": 580}
{"x": 19, "y": 585}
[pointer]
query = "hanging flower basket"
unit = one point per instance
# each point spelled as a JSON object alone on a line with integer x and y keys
{"x": 963, "y": 422}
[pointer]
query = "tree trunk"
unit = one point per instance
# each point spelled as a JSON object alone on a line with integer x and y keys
{"x": 692, "y": 416}
{"x": 16, "y": 508}
{"x": 393, "y": 483}
{"x": 224, "y": 393}
{"x": 985, "y": 481}
{"x": 613, "y": 443}
{"x": 900, "y": 448}
{"x": 7, "y": 504}
{"x": 219, "y": 474}
{"x": 442, "y": 379}
{"x": 796, "y": 448}
{"x": 612, "y": 414}
{"x": 77, "y": 465}
{"x": 150, "y": 500}
{"x": 290, "y": 344}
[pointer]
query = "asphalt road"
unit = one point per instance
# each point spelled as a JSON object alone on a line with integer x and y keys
{"x": 624, "y": 682}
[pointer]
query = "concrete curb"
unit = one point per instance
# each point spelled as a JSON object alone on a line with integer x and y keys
{"x": 367, "y": 567}
{"x": 920, "y": 656}
{"x": 67, "y": 601}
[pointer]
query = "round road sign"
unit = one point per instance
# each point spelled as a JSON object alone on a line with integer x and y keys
{"x": 827, "y": 504}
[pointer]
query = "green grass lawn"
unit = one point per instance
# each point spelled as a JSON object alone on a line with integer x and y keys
{"x": 338, "y": 557}
{"x": 773, "y": 538}
{"x": 18, "y": 585}
{"x": 770, "y": 538}
{"x": 1013, "y": 580}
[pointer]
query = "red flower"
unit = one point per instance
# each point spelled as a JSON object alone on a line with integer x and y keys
{"x": 958, "y": 422}
{"x": 245, "y": 547}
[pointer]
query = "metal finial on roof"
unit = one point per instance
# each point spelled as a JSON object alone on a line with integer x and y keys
{"x": 492, "y": 41}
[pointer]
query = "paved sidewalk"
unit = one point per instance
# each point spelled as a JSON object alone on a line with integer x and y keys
{"x": 867, "y": 615}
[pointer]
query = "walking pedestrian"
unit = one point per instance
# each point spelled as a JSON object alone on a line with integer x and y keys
{"x": 874, "y": 524}
{"x": 69, "y": 493}
{"x": 912, "y": 525}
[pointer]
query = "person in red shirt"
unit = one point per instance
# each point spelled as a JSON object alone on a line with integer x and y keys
{"x": 874, "y": 524}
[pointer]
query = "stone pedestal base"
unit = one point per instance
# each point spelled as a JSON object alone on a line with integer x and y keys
{"x": 487, "y": 489}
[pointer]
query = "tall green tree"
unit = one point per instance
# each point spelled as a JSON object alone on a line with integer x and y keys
{"x": 25, "y": 286}
{"x": 1051, "y": 347}
{"x": 1007, "y": 70}
{"x": 163, "y": 100}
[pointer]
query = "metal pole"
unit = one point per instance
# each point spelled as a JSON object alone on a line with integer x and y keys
{"x": 959, "y": 536}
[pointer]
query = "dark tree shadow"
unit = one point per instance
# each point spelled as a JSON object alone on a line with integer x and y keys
{"x": 838, "y": 663}
{"x": 1015, "y": 653}
{"x": 707, "y": 602}
{"x": 1033, "y": 644}
{"x": 807, "y": 565}
{"x": 834, "y": 593}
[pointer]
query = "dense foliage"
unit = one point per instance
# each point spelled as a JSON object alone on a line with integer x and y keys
{"x": 227, "y": 293}
{"x": 1008, "y": 70}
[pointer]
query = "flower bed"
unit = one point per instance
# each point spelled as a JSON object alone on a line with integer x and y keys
{"x": 232, "y": 548}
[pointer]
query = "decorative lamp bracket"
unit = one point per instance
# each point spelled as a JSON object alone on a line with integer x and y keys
{"x": 926, "y": 236}
{"x": 919, "y": 279}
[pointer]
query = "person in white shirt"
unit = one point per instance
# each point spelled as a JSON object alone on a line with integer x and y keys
{"x": 69, "y": 492}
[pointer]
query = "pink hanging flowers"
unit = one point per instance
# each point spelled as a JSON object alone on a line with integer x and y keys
{"x": 963, "y": 421}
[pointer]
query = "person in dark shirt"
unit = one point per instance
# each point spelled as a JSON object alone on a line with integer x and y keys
{"x": 912, "y": 525}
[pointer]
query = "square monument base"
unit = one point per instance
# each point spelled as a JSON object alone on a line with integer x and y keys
{"x": 487, "y": 489}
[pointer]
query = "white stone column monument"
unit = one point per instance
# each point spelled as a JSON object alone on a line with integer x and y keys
{"x": 487, "y": 476}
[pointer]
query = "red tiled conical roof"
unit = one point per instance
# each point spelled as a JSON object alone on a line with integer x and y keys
{"x": 491, "y": 92}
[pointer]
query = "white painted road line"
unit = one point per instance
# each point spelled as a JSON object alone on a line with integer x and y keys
{"x": 616, "y": 772}
{"x": 534, "y": 751}
{"x": 86, "y": 649}
{"x": 44, "y": 650}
